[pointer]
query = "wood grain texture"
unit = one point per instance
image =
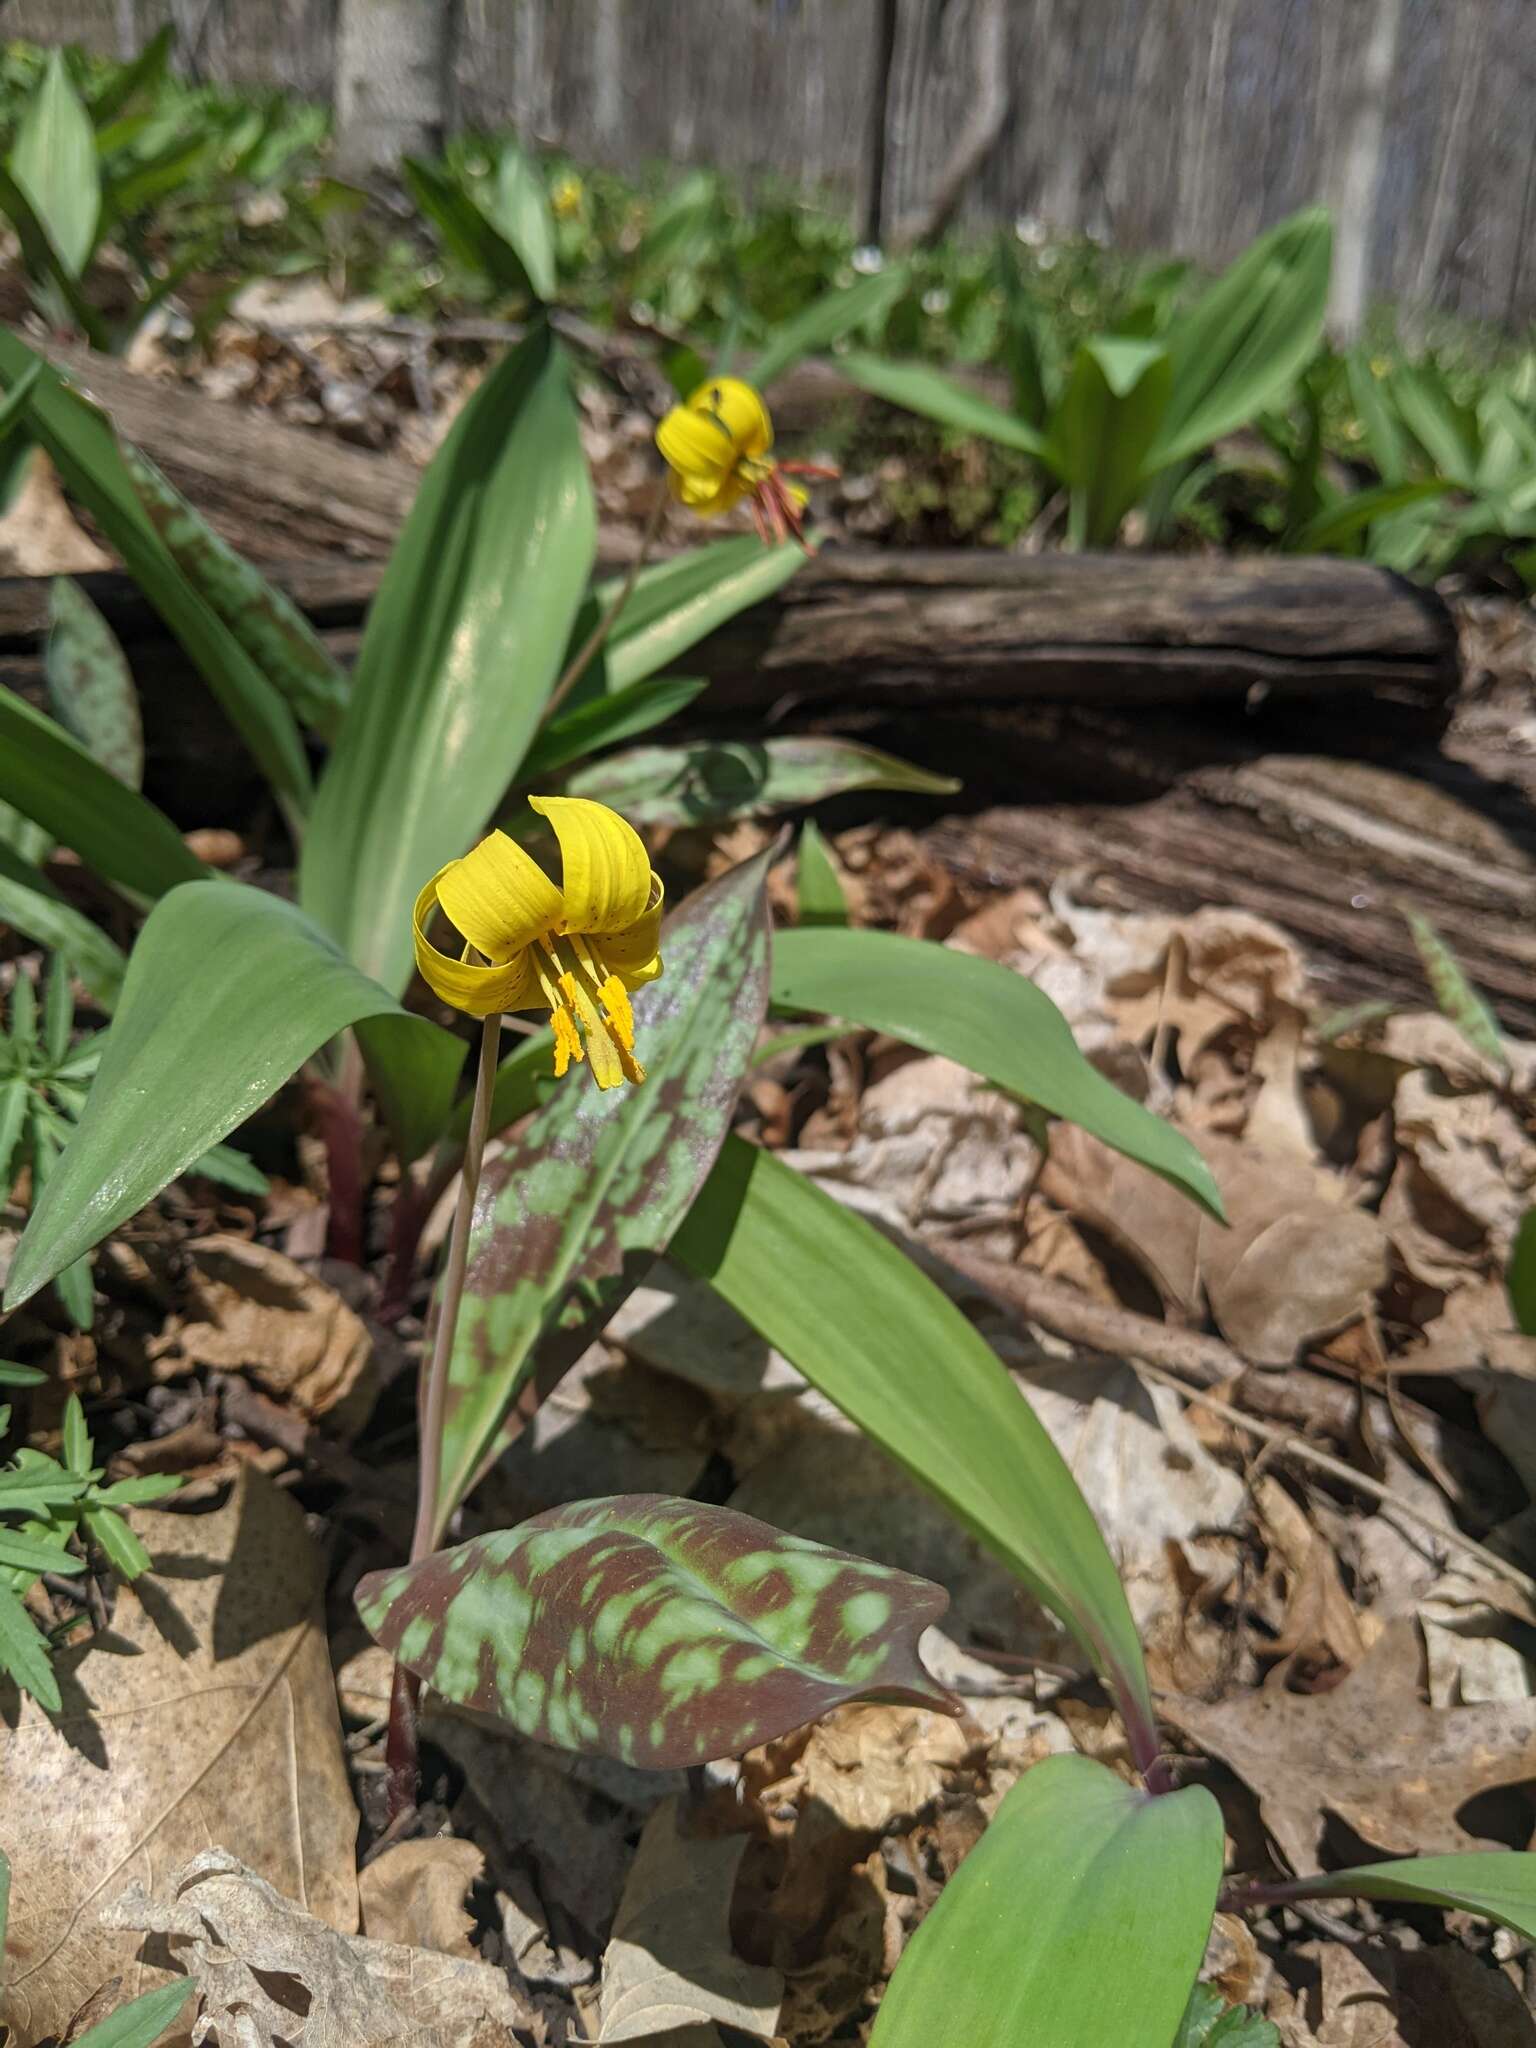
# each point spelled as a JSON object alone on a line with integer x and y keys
{"x": 1184, "y": 127}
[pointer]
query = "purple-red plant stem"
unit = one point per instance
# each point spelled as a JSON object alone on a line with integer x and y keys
{"x": 400, "y": 1742}
{"x": 341, "y": 1132}
{"x": 1141, "y": 1738}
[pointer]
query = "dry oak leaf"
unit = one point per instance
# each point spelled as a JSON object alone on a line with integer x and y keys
{"x": 254, "y": 1311}
{"x": 1370, "y": 1752}
{"x": 270, "y": 1974}
{"x": 416, "y": 1893}
{"x": 670, "y": 1966}
{"x": 207, "y": 1713}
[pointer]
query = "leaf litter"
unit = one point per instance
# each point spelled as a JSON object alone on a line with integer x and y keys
{"x": 1308, "y": 1640}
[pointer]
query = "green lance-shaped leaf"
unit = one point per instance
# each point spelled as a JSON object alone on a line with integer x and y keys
{"x": 1077, "y": 1921}
{"x": 53, "y": 160}
{"x": 604, "y": 721}
{"x": 1239, "y": 347}
{"x": 142, "y": 2021}
{"x": 673, "y": 605}
{"x": 819, "y": 897}
{"x": 268, "y": 625}
{"x": 89, "y": 683}
{"x": 461, "y": 650}
{"x": 48, "y": 776}
{"x": 826, "y": 320}
{"x": 917, "y": 388}
{"x": 469, "y": 234}
{"x": 84, "y": 448}
{"x": 700, "y": 783}
{"x": 570, "y": 1215}
{"x": 519, "y": 207}
{"x": 229, "y": 991}
{"x": 873, "y": 1332}
{"x": 1458, "y": 1001}
{"x": 1109, "y": 415}
{"x": 1500, "y": 1884}
{"x": 988, "y": 1018}
{"x": 659, "y": 1631}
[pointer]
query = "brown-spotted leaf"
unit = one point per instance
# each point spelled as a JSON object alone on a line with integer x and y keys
{"x": 571, "y": 1215}
{"x": 659, "y": 1631}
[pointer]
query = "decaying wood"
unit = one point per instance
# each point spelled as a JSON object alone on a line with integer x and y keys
{"x": 949, "y": 629}
{"x": 1329, "y": 849}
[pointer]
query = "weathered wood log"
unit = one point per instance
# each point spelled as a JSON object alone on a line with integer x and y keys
{"x": 894, "y": 628}
{"x": 1328, "y": 849}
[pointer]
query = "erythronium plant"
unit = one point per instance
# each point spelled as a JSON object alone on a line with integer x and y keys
{"x": 653, "y": 1629}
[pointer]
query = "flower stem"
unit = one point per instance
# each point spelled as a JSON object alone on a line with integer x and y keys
{"x": 593, "y": 645}
{"x": 434, "y": 1393}
{"x": 400, "y": 1749}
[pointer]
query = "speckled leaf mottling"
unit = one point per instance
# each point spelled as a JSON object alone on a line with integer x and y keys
{"x": 569, "y": 1218}
{"x": 655, "y": 1630}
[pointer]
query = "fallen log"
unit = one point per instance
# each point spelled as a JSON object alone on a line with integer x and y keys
{"x": 948, "y": 629}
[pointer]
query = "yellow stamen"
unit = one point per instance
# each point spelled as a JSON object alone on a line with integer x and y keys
{"x": 611, "y": 992}
{"x": 607, "y": 1067}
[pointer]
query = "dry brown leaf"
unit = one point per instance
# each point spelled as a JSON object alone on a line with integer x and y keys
{"x": 252, "y": 1310}
{"x": 1214, "y": 969}
{"x": 670, "y": 1963}
{"x": 1369, "y": 1752}
{"x": 1319, "y": 1627}
{"x": 875, "y": 1766}
{"x": 1295, "y": 1261}
{"x": 206, "y": 1714}
{"x": 39, "y": 535}
{"x": 1374, "y": 1996}
{"x": 1133, "y": 1208}
{"x": 270, "y": 1974}
{"x": 415, "y": 1893}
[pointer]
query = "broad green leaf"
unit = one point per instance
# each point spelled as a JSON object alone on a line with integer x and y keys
{"x": 32, "y": 1554}
{"x": 13, "y": 1374}
{"x": 520, "y": 209}
{"x": 918, "y": 389}
{"x": 827, "y": 319}
{"x": 54, "y": 276}
{"x": 1351, "y": 515}
{"x": 1519, "y": 1277}
{"x": 818, "y": 892}
{"x": 1456, "y": 998}
{"x": 469, "y": 235}
{"x": 705, "y": 780}
{"x": 142, "y": 2021}
{"x": 1109, "y": 415}
{"x": 1241, "y": 345}
{"x": 989, "y": 1019}
{"x": 89, "y": 684}
{"x": 1500, "y": 1884}
{"x": 84, "y": 449}
{"x": 121, "y": 1548}
{"x": 461, "y": 649}
{"x": 76, "y": 1438}
{"x": 662, "y": 1632}
{"x": 50, "y": 777}
{"x": 673, "y": 605}
{"x": 231, "y": 1169}
{"x": 23, "y": 1652}
{"x": 1383, "y": 435}
{"x": 873, "y": 1332}
{"x": 30, "y": 904}
{"x": 143, "y": 74}
{"x": 568, "y": 1217}
{"x": 602, "y": 721}
{"x": 1077, "y": 1921}
{"x": 1445, "y": 430}
{"x": 228, "y": 992}
{"x": 267, "y": 624}
{"x": 1209, "y": 2022}
{"x": 53, "y": 159}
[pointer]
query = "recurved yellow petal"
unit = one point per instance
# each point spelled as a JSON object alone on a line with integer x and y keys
{"x": 478, "y": 990}
{"x": 633, "y": 954}
{"x": 607, "y": 877}
{"x": 739, "y": 408}
{"x": 696, "y": 447}
{"x": 499, "y": 897}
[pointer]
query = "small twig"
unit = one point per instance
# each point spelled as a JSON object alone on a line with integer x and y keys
{"x": 592, "y": 646}
{"x": 1285, "y": 1444}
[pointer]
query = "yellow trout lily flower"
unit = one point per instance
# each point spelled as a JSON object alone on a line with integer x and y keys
{"x": 565, "y": 195}
{"x": 718, "y": 446}
{"x": 575, "y": 951}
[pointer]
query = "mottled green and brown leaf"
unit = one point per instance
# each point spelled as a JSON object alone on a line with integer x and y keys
{"x": 659, "y": 1631}
{"x": 570, "y": 1216}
